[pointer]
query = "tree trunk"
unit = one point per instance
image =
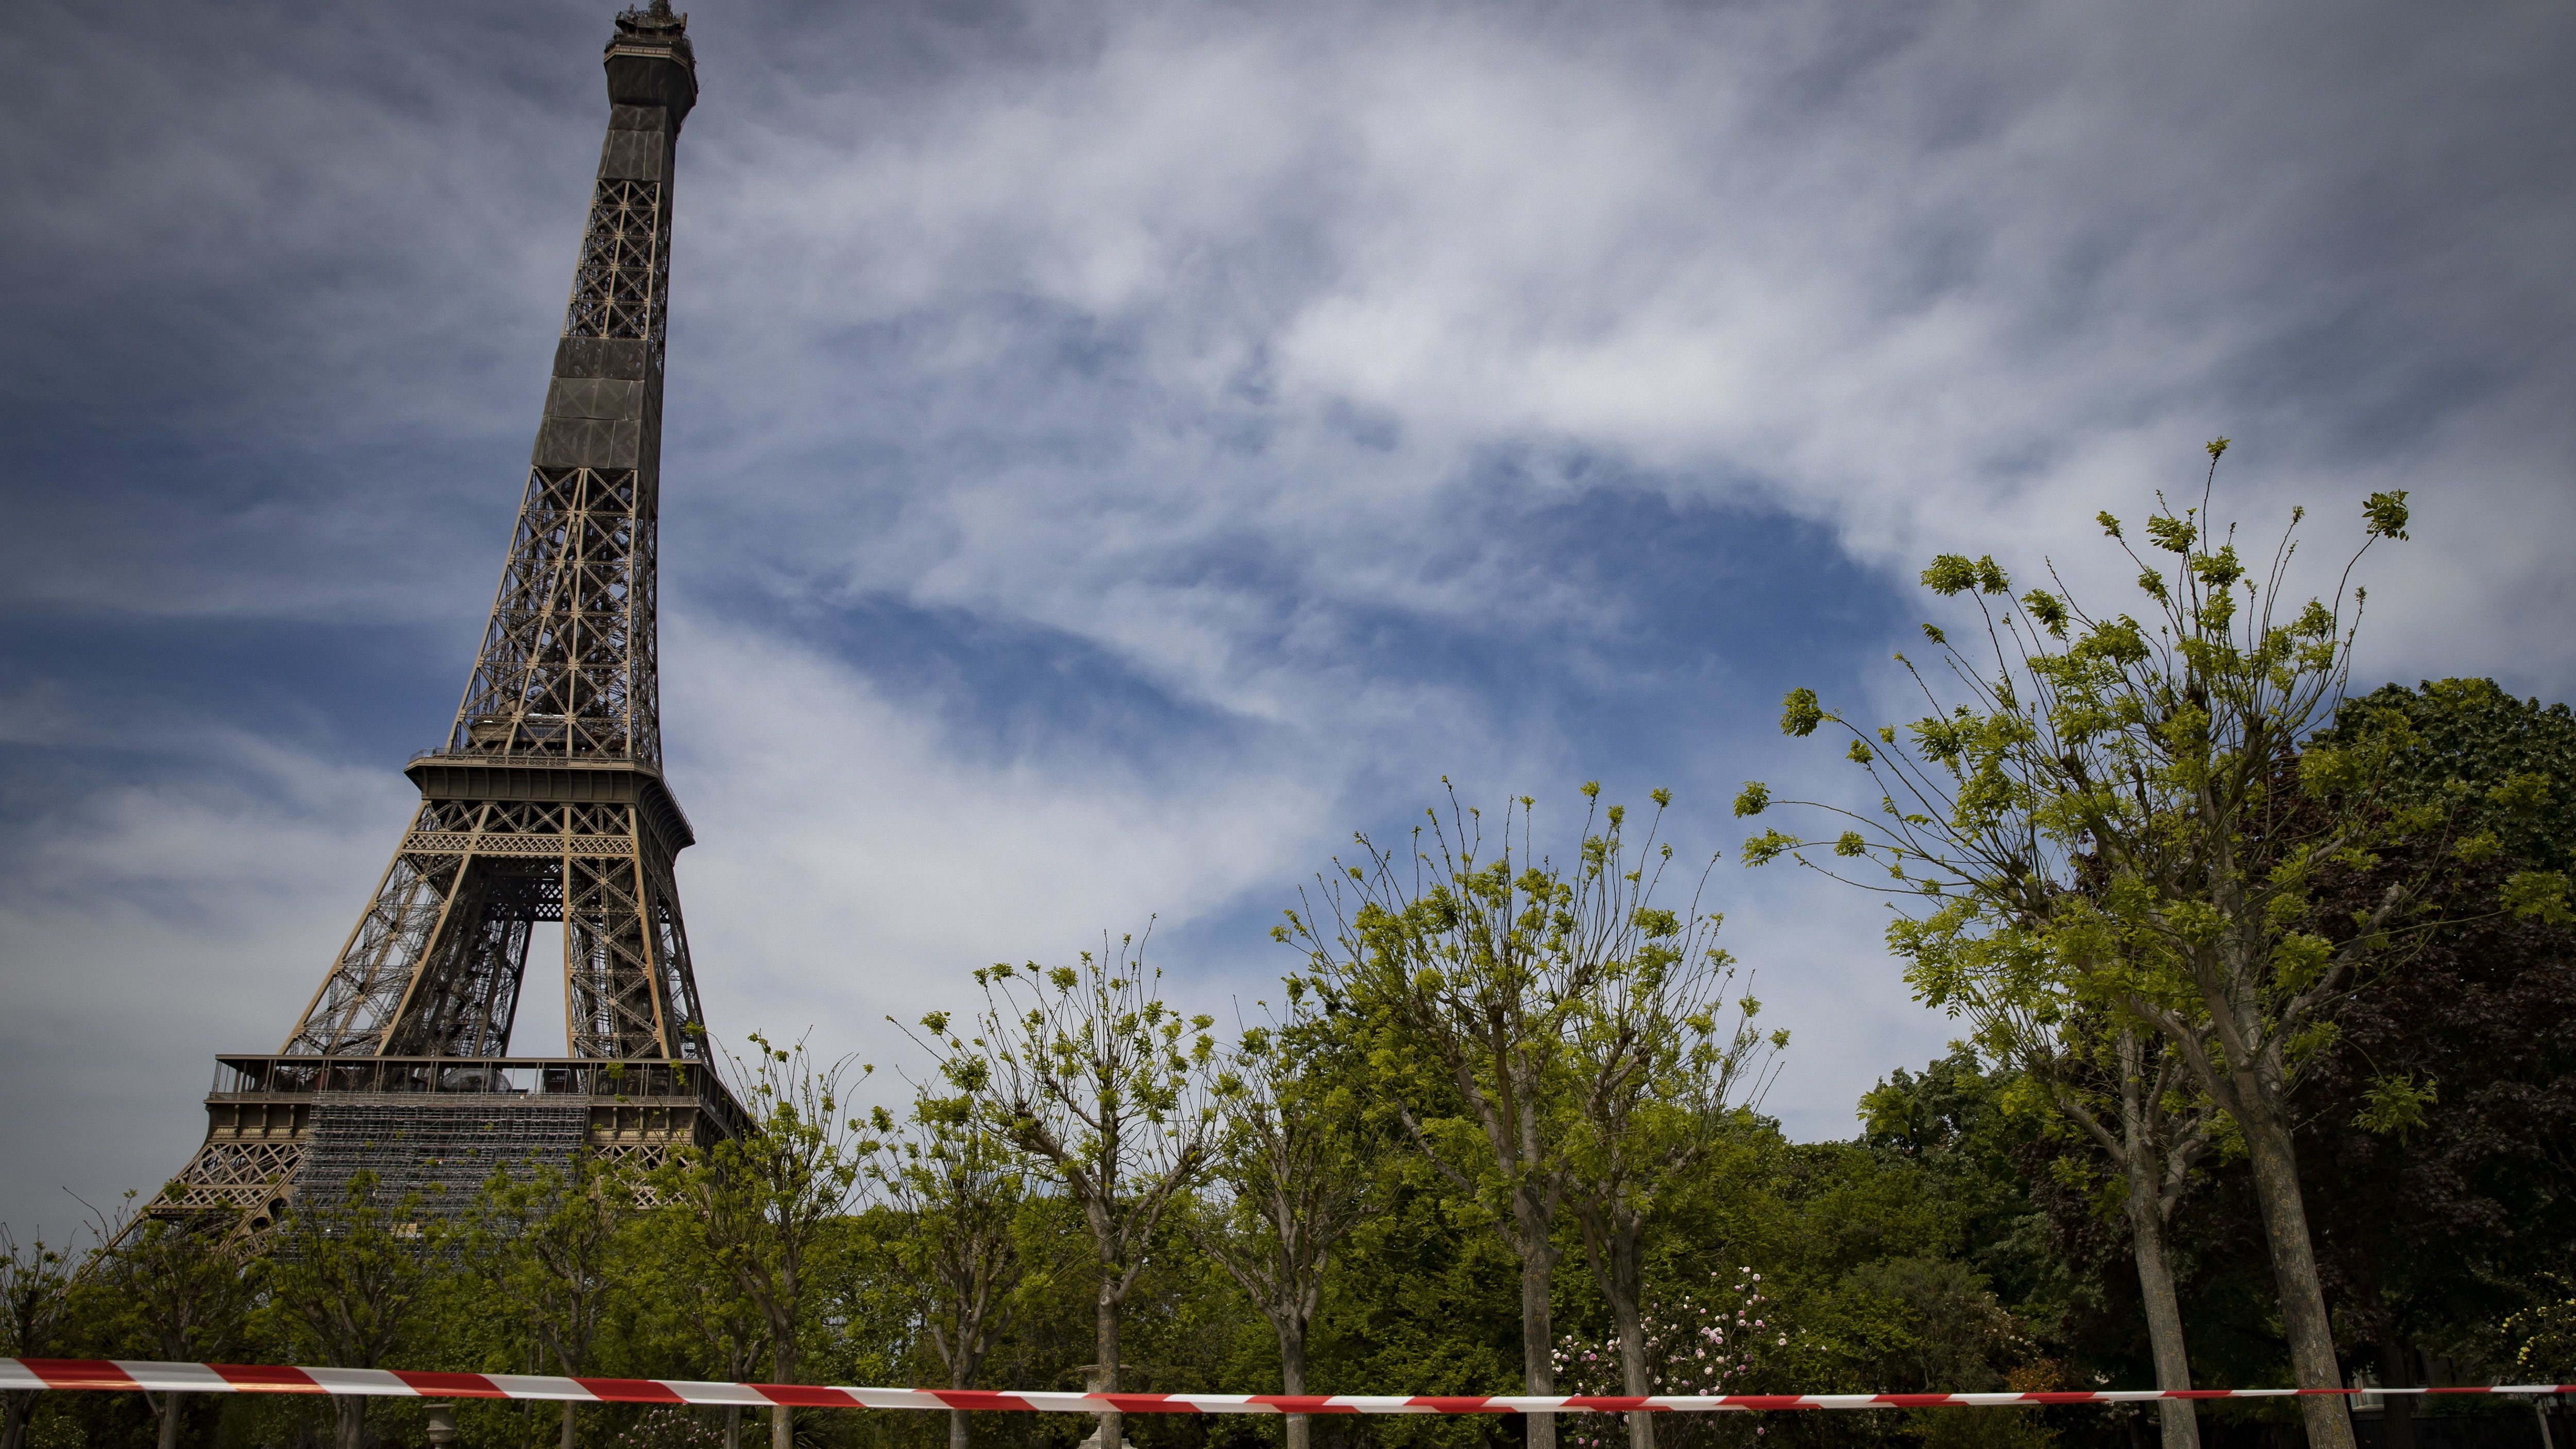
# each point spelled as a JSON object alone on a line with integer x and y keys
{"x": 2294, "y": 1268}
{"x": 1622, "y": 1273}
{"x": 353, "y": 1421}
{"x": 565, "y": 1440}
{"x": 961, "y": 1374}
{"x": 1104, "y": 1376}
{"x": 1292, "y": 1376}
{"x": 782, "y": 1424}
{"x": 2180, "y": 1422}
{"x": 733, "y": 1426}
{"x": 1538, "y": 1369}
{"x": 14, "y": 1409}
{"x": 2397, "y": 1414}
{"x": 167, "y": 1430}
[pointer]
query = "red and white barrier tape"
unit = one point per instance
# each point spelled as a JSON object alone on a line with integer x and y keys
{"x": 224, "y": 1378}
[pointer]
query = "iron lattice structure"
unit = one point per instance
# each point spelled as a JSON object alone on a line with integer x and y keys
{"x": 546, "y": 803}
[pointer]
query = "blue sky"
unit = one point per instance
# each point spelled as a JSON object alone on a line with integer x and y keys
{"x": 1116, "y": 451}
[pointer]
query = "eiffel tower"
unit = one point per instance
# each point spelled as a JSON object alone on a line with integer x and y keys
{"x": 546, "y": 803}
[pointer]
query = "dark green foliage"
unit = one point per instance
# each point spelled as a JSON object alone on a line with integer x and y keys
{"x": 2470, "y": 740}
{"x": 1426, "y": 1294}
{"x": 2441, "y": 1220}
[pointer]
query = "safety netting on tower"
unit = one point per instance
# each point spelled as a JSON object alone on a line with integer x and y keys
{"x": 437, "y": 1152}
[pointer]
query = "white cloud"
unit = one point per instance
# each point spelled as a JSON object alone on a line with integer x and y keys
{"x": 1957, "y": 281}
{"x": 145, "y": 927}
{"x": 856, "y": 865}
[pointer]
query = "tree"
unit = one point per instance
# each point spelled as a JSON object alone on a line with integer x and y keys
{"x": 2544, "y": 1336}
{"x": 546, "y": 1241}
{"x": 1086, "y": 1069}
{"x": 768, "y": 1198}
{"x": 2124, "y": 1091}
{"x": 1657, "y": 1079}
{"x": 959, "y": 1188}
{"x": 182, "y": 1289}
{"x": 1955, "y": 1336}
{"x": 35, "y": 1303}
{"x": 694, "y": 1307}
{"x": 2434, "y": 1123}
{"x": 348, "y": 1280}
{"x": 2134, "y": 801}
{"x": 1295, "y": 1159}
{"x": 2106, "y": 1075}
{"x": 1478, "y": 975}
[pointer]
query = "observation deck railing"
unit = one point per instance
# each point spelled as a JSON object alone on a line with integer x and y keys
{"x": 641, "y": 1082}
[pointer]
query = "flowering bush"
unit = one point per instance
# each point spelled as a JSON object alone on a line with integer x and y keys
{"x": 1708, "y": 1340}
{"x": 670, "y": 1428}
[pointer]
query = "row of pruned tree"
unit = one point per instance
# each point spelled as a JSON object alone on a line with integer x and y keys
{"x": 1541, "y": 1033}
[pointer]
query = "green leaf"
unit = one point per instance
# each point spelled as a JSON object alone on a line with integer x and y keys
{"x": 2394, "y": 1106}
{"x": 1800, "y": 713}
{"x": 2538, "y": 895}
{"x": 2385, "y": 513}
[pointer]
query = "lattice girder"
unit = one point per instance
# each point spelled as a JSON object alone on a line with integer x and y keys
{"x": 436, "y": 966}
{"x": 566, "y": 667}
{"x": 234, "y": 1177}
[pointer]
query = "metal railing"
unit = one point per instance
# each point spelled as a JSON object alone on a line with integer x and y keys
{"x": 590, "y": 1078}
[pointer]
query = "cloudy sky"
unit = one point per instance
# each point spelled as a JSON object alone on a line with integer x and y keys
{"x": 1118, "y": 450}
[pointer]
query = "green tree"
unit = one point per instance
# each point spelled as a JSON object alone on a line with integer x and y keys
{"x": 958, "y": 1189}
{"x": 1660, "y": 1072}
{"x": 2131, "y": 801}
{"x": 35, "y": 1309}
{"x": 2123, "y": 1091}
{"x": 1295, "y": 1160}
{"x": 767, "y": 1200}
{"x": 1425, "y": 1298}
{"x": 2430, "y": 1123}
{"x": 1955, "y": 1337}
{"x": 348, "y": 1280}
{"x": 545, "y": 1240}
{"x": 2509, "y": 763}
{"x": 691, "y": 1306}
{"x": 181, "y": 1289}
{"x": 2544, "y": 1336}
{"x": 1086, "y": 1069}
{"x": 1477, "y": 975}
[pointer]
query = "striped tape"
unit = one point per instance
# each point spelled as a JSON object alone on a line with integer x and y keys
{"x": 225, "y": 1378}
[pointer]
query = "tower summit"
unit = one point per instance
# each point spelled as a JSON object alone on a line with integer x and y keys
{"x": 546, "y": 803}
